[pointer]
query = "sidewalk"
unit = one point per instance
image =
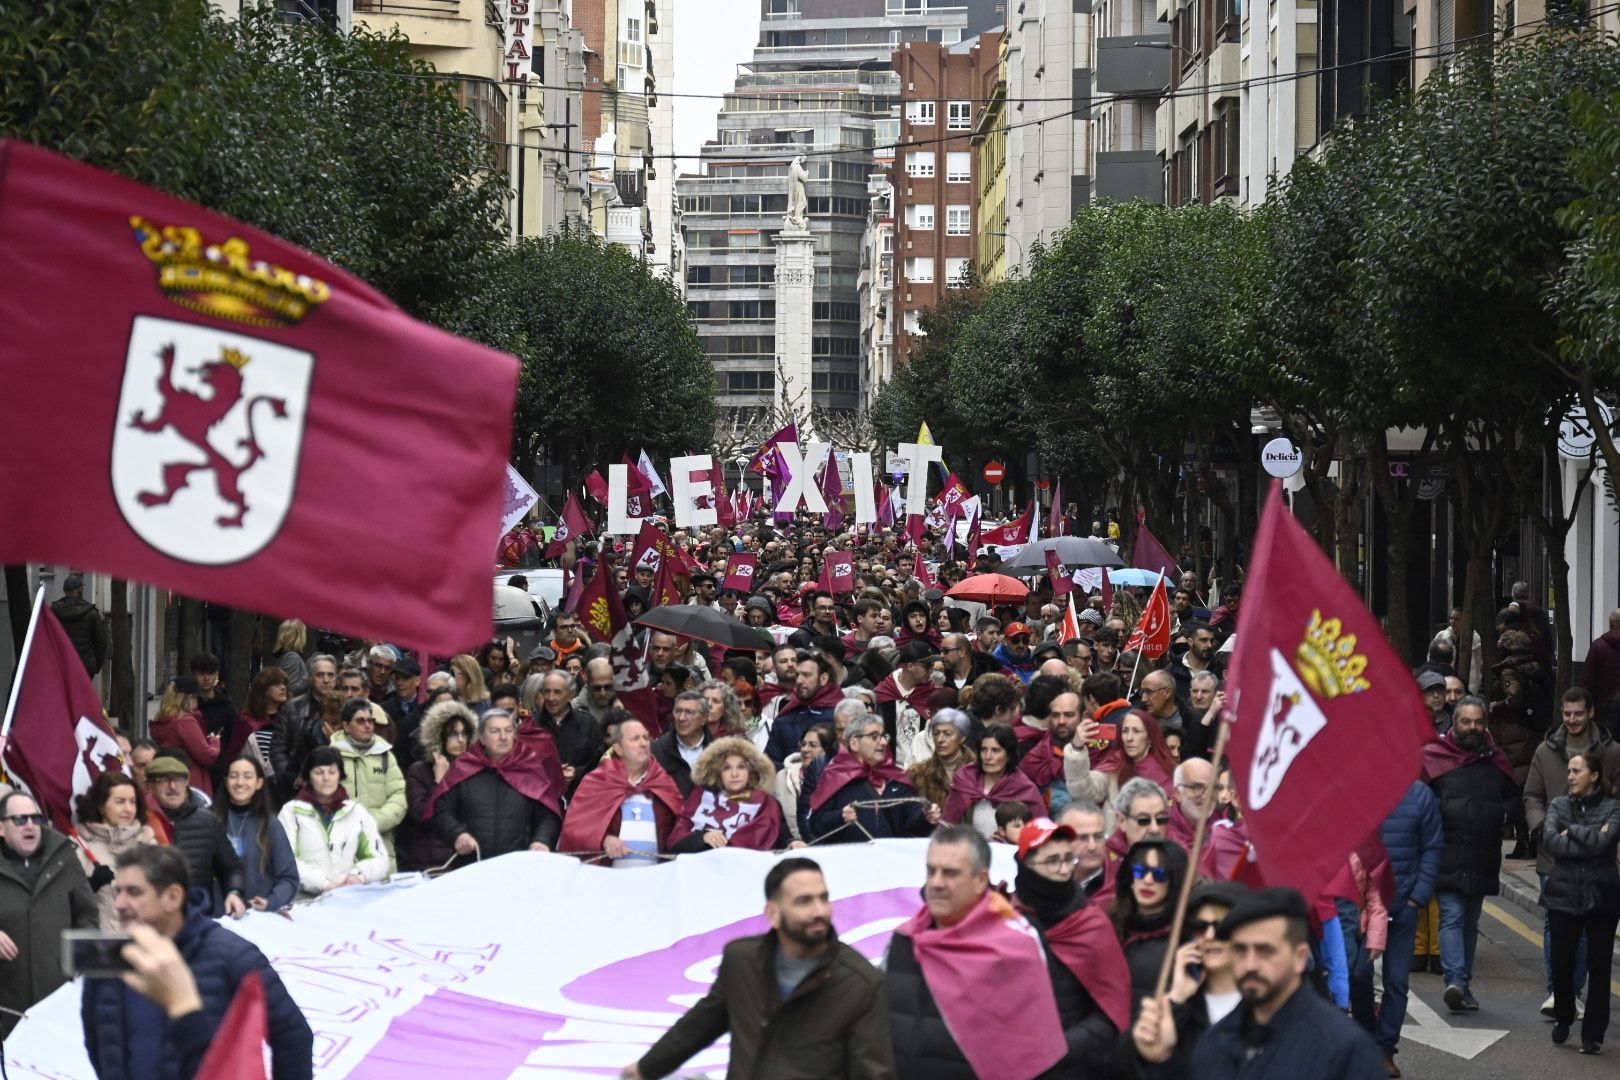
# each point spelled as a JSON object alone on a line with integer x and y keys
{"x": 1522, "y": 888}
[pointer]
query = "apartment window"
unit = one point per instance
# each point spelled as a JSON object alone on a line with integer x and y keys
{"x": 1227, "y": 148}
{"x": 959, "y": 167}
{"x": 750, "y": 380}
{"x": 958, "y": 220}
{"x": 912, "y": 320}
{"x": 750, "y": 309}
{"x": 956, "y": 273}
{"x": 887, "y": 245}
{"x": 783, "y": 9}
{"x": 959, "y": 116}
{"x": 920, "y": 217}
{"x": 920, "y": 270}
{"x": 921, "y": 162}
{"x": 920, "y": 112}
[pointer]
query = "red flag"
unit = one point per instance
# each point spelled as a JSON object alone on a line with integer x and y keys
{"x": 600, "y": 609}
{"x": 573, "y": 525}
{"x": 665, "y": 590}
{"x": 1062, "y": 581}
{"x": 832, "y": 489}
{"x": 725, "y": 511}
{"x": 228, "y": 388}
{"x": 919, "y": 568}
{"x": 596, "y": 487}
{"x": 1054, "y": 524}
{"x": 1107, "y": 592}
{"x": 741, "y": 569}
{"x": 762, "y": 458}
{"x": 1329, "y": 728}
{"x": 1071, "y": 623}
{"x": 651, "y": 548}
{"x": 1149, "y": 554}
{"x": 974, "y": 542}
{"x": 58, "y": 743}
{"x": 1152, "y": 633}
{"x": 237, "y": 1050}
{"x": 840, "y": 567}
{"x": 954, "y": 495}
{"x": 1015, "y": 532}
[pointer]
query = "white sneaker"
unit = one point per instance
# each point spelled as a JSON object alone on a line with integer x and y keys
{"x": 1547, "y": 1007}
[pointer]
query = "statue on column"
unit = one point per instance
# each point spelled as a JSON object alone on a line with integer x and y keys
{"x": 798, "y": 210}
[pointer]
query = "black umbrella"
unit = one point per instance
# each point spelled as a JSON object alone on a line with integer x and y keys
{"x": 1072, "y": 551}
{"x": 705, "y": 624}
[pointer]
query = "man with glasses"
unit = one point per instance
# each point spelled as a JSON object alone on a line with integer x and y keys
{"x": 1141, "y": 811}
{"x": 1194, "y": 782}
{"x": 198, "y": 834}
{"x": 957, "y": 655}
{"x": 1090, "y": 825}
{"x": 863, "y": 795}
{"x": 679, "y": 748}
{"x": 567, "y": 636}
{"x": 596, "y": 697}
{"x": 43, "y": 891}
{"x": 1159, "y": 699}
{"x": 379, "y": 672}
{"x": 1014, "y": 652}
{"x": 1090, "y": 978}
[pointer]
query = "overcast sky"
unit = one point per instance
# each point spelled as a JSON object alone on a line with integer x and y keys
{"x": 711, "y": 38}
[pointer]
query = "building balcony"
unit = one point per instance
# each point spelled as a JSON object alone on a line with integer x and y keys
{"x": 1133, "y": 66}
{"x": 1126, "y": 175}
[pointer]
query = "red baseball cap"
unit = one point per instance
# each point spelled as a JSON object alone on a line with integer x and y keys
{"x": 1014, "y": 629}
{"x": 1042, "y": 830}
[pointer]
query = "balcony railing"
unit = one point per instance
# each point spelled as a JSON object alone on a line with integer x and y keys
{"x": 432, "y": 9}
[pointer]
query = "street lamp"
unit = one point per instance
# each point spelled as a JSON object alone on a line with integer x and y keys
{"x": 1014, "y": 239}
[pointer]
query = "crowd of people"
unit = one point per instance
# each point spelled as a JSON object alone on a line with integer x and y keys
{"x": 889, "y": 711}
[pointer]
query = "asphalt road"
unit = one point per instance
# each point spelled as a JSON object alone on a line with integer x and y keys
{"x": 1507, "y": 1038}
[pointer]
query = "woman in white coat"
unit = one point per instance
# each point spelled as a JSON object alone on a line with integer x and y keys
{"x": 334, "y": 839}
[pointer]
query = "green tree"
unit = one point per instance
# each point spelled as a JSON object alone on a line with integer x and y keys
{"x": 611, "y": 361}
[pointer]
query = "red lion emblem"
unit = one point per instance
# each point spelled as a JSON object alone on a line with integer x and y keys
{"x": 193, "y": 417}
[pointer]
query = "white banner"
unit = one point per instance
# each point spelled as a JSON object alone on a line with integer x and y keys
{"x": 520, "y": 499}
{"x": 535, "y": 965}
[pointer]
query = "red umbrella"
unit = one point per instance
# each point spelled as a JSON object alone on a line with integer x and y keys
{"x": 990, "y": 589}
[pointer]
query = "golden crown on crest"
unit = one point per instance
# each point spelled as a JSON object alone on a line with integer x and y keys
{"x": 223, "y": 280}
{"x": 1328, "y": 662}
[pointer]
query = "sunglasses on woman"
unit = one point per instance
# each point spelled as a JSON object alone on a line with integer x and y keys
{"x": 1157, "y": 873}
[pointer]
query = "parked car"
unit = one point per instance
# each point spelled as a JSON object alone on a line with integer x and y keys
{"x": 545, "y": 583}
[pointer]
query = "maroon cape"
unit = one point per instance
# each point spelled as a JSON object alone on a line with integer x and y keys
{"x": 889, "y": 690}
{"x": 846, "y": 769}
{"x": 595, "y": 809}
{"x": 532, "y": 767}
{"x": 906, "y": 637}
{"x": 967, "y": 788}
{"x": 769, "y": 692}
{"x": 1088, "y": 946}
{"x": 1444, "y": 755}
{"x": 708, "y": 809}
{"x": 1043, "y": 764}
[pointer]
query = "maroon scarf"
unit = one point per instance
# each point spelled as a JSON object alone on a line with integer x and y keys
{"x": 594, "y": 811}
{"x": 1088, "y": 946}
{"x": 1043, "y": 764}
{"x": 917, "y": 697}
{"x": 708, "y": 809}
{"x": 1445, "y": 755}
{"x": 847, "y": 768}
{"x": 967, "y": 788}
{"x": 532, "y": 768}
{"x": 329, "y": 806}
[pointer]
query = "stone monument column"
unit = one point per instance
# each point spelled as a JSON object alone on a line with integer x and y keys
{"x": 795, "y": 284}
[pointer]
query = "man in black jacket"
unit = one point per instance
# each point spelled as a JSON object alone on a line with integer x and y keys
{"x": 198, "y": 835}
{"x": 84, "y": 623}
{"x": 504, "y": 794}
{"x": 576, "y": 733}
{"x": 43, "y": 892}
{"x": 187, "y": 974}
{"x": 678, "y": 749}
{"x": 1283, "y": 1029}
{"x": 799, "y": 1004}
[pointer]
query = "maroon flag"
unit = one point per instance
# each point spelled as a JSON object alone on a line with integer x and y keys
{"x": 1329, "y": 728}
{"x": 840, "y": 568}
{"x": 1152, "y": 633}
{"x": 1015, "y": 532}
{"x": 741, "y": 570}
{"x": 761, "y": 462}
{"x": 1149, "y": 554}
{"x": 638, "y": 499}
{"x": 954, "y": 495}
{"x": 665, "y": 590}
{"x": 725, "y": 510}
{"x": 58, "y": 742}
{"x": 573, "y": 525}
{"x": 227, "y": 390}
{"x": 1062, "y": 581}
{"x": 1107, "y": 592}
{"x": 600, "y": 609}
{"x": 1054, "y": 523}
{"x": 832, "y": 489}
{"x": 885, "y": 507}
{"x": 596, "y": 487}
{"x": 237, "y": 1049}
{"x": 974, "y": 542}
{"x": 601, "y": 612}
{"x": 919, "y": 567}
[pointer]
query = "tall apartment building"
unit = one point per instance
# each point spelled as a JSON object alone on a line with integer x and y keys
{"x": 874, "y": 286}
{"x": 933, "y": 177}
{"x": 819, "y": 84}
{"x": 550, "y": 178}
{"x": 1278, "y": 101}
{"x": 664, "y": 249}
{"x": 620, "y": 87}
{"x": 1200, "y": 122}
{"x": 1131, "y": 58}
{"x": 990, "y": 163}
{"x": 1049, "y": 139}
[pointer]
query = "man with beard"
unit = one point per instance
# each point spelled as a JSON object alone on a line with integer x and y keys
{"x": 1282, "y": 1028}
{"x": 1043, "y": 764}
{"x": 798, "y": 1003}
{"x": 1090, "y": 979}
{"x": 1474, "y": 782}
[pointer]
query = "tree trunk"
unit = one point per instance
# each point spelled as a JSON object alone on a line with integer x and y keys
{"x": 121, "y": 663}
{"x": 238, "y": 665}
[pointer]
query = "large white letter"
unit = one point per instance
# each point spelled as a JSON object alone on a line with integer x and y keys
{"x": 619, "y": 519}
{"x": 860, "y": 474}
{"x": 801, "y": 485}
{"x": 688, "y": 514}
{"x": 920, "y": 456}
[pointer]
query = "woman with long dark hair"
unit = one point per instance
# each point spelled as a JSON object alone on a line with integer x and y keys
{"x": 112, "y": 819}
{"x": 269, "y": 873}
{"x": 269, "y": 691}
{"x": 982, "y": 785}
{"x": 1144, "y": 906}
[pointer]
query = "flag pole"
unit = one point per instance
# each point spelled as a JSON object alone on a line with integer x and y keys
{"x": 1140, "y": 649}
{"x": 1169, "y": 962}
{"x": 22, "y": 663}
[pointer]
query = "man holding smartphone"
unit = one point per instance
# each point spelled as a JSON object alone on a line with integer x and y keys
{"x": 159, "y": 1020}
{"x": 43, "y": 891}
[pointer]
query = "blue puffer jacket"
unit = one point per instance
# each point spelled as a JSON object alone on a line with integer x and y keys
{"x": 1414, "y": 838}
{"x": 219, "y": 961}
